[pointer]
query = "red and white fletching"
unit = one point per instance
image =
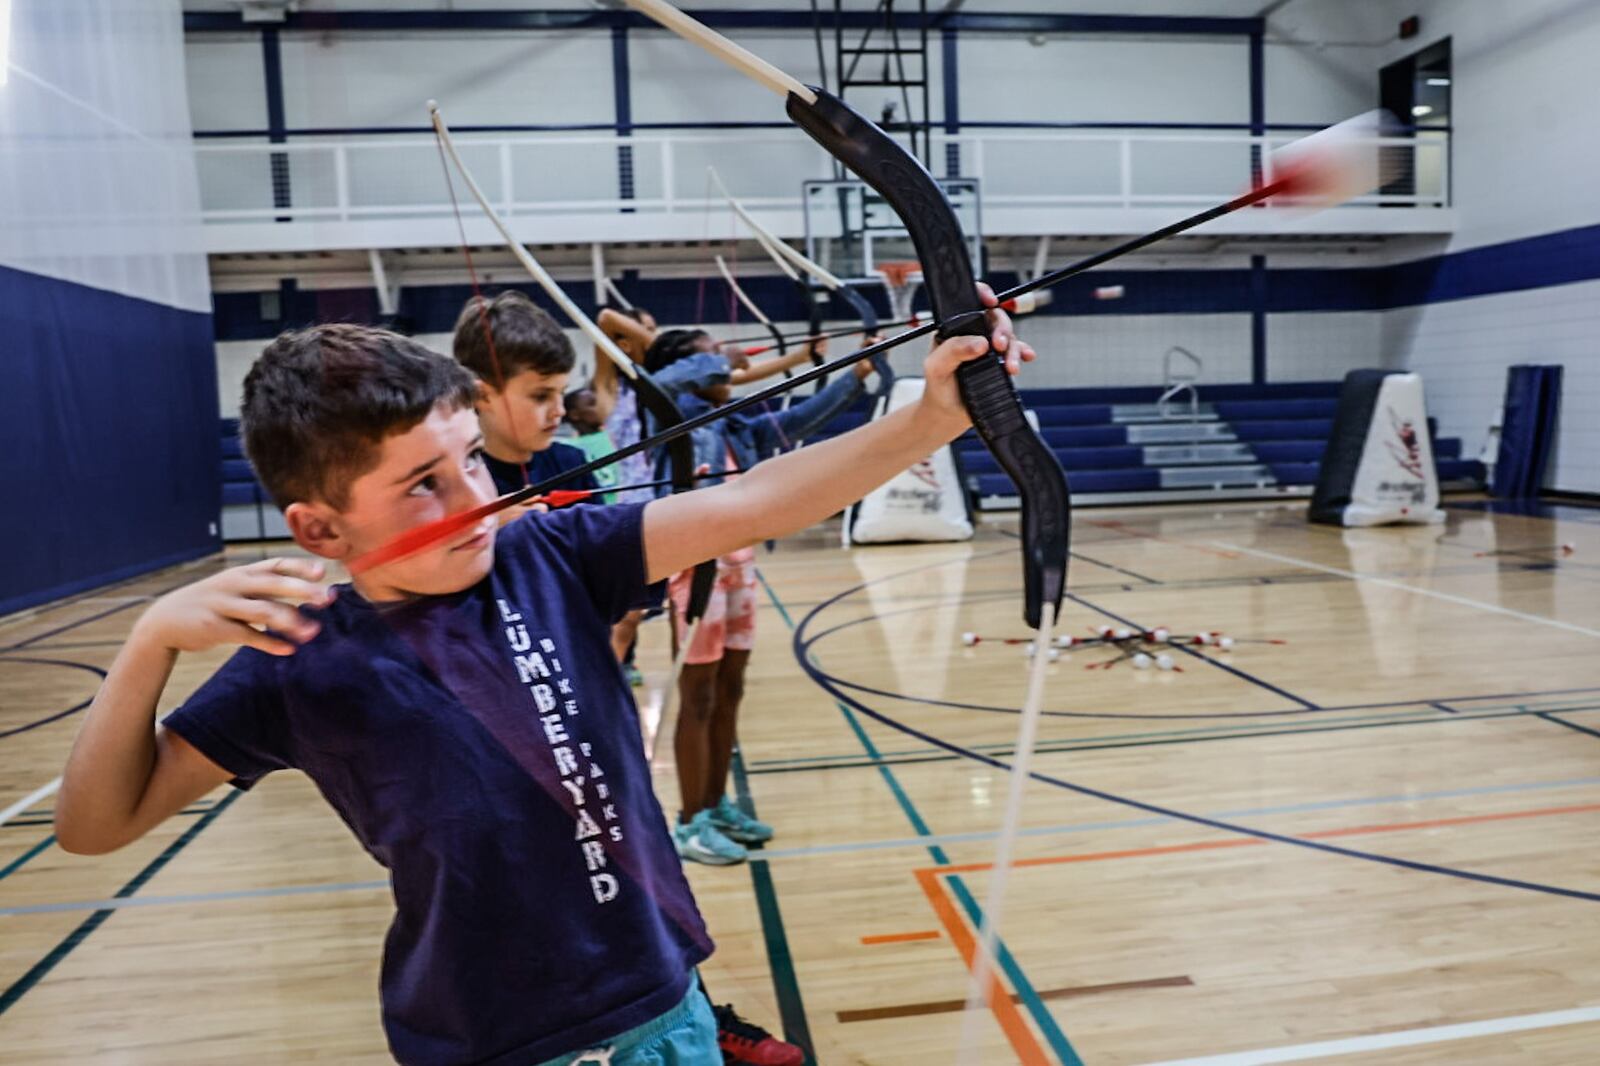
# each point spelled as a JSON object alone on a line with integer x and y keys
{"x": 1334, "y": 165}
{"x": 1029, "y": 302}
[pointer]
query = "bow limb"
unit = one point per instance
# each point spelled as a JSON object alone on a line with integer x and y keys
{"x": 789, "y": 258}
{"x": 778, "y": 339}
{"x": 986, "y": 388}
{"x": 652, "y": 397}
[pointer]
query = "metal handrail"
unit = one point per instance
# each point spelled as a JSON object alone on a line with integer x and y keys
{"x": 1176, "y": 384}
{"x": 243, "y": 182}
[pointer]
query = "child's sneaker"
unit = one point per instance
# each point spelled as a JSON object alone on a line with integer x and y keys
{"x": 737, "y": 825}
{"x": 698, "y": 840}
{"x": 744, "y": 1042}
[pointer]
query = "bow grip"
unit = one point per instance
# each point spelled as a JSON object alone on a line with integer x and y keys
{"x": 998, "y": 417}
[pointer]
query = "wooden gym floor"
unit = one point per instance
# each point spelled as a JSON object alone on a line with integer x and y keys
{"x": 1377, "y": 843}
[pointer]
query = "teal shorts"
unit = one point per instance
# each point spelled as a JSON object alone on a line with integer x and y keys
{"x": 684, "y": 1036}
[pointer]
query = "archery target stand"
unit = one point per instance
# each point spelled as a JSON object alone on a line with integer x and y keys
{"x": 901, "y": 277}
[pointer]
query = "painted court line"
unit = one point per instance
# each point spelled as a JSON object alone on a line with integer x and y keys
{"x": 125, "y": 902}
{"x": 1137, "y": 823}
{"x": 1462, "y": 601}
{"x": 900, "y": 938}
{"x": 1354, "y": 1045}
{"x": 42, "y": 792}
{"x": 1245, "y": 842}
{"x": 952, "y": 1006}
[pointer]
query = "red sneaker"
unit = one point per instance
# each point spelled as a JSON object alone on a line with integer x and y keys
{"x": 745, "y": 1042}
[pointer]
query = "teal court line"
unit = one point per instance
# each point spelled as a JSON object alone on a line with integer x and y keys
{"x": 1008, "y": 964}
{"x": 1317, "y": 724}
{"x": 929, "y": 841}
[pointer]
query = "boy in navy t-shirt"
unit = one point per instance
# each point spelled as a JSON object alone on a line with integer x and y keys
{"x": 461, "y": 708}
{"x": 522, "y": 359}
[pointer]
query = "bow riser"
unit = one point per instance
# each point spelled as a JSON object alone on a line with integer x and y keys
{"x": 985, "y": 385}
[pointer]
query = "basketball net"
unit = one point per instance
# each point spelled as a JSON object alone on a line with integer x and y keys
{"x": 901, "y": 278}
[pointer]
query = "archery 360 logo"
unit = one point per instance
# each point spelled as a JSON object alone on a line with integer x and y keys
{"x": 1406, "y": 447}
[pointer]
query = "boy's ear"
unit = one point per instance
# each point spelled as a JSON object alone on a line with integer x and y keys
{"x": 315, "y": 528}
{"x": 486, "y": 393}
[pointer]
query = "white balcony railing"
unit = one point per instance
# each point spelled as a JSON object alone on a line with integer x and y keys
{"x": 397, "y": 178}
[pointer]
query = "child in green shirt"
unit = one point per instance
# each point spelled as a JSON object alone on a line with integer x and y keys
{"x": 583, "y": 415}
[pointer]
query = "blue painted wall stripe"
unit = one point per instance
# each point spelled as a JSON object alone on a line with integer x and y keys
{"x": 1542, "y": 261}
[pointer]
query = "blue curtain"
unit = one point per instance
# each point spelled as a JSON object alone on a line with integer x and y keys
{"x": 1527, "y": 430}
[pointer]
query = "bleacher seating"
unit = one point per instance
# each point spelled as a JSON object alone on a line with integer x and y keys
{"x": 1250, "y": 440}
{"x": 1117, "y": 446}
{"x": 248, "y": 513}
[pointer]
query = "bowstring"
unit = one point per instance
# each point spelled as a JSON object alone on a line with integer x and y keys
{"x": 478, "y": 299}
{"x": 733, "y": 315}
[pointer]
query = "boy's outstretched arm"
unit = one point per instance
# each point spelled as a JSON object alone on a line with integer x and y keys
{"x": 789, "y": 493}
{"x": 125, "y": 775}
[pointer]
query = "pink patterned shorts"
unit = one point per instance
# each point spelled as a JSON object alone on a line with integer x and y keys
{"x": 730, "y": 619}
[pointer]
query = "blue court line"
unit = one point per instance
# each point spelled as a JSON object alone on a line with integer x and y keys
{"x": 120, "y": 902}
{"x": 930, "y": 841}
{"x": 1243, "y": 732}
{"x": 1210, "y": 823}
{"x": 42, "y": 968}
{"x": 1422, "y": 717}
{"x": 74, "y": 625}
{"x": 74, "y": 709}
{"x": 132, "y": 602}
{"x": 22, "y": 860}
{"x": 1550, "y": 717}
{"x": 1007, "y": 963}
{"x": 822, "y": 680}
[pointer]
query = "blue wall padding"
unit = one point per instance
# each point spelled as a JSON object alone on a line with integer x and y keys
{"x": 1527, "y": 430}
{"x": 110, "y": 453}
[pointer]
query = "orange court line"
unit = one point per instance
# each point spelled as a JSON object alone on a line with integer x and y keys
{"x": 901, "y": 938}
{"x": 1023, "y": 1042}
{"x": 1243, "y": 842}
{"x": 1011, "y": 1022}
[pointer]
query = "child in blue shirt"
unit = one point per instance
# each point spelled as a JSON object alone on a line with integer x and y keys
{"x": 522, "y": 359}
{"x": 460, "y": 708}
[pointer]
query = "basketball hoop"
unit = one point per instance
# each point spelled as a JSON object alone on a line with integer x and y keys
{"x": 901, "y": 277}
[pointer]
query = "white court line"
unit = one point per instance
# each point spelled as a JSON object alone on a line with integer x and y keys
{"x": 1481, "y": 605}
{"x": 1437, "y": 1034}
{"x": 42, "y": 792}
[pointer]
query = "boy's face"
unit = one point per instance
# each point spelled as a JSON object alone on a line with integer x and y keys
{"x": 432, "y": 470}
{"x": 523, "y": 417}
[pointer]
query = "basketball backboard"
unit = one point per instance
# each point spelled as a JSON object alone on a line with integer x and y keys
{"x": 850, "y": 228}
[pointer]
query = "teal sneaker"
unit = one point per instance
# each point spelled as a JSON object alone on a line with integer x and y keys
{"x": 631, "y": 672}
{"x": 698, "y": 840}
{"x": 737, "y": 825}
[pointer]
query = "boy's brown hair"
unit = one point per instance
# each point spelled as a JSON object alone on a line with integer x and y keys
{"x": 319, "y": 402}
{"x": 499, "y": 338}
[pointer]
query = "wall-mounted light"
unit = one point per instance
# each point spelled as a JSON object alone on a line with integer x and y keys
{"x": 1439, "y": 81}
{"x": 1420, "y": 110}
{"x": 5, "y": 40}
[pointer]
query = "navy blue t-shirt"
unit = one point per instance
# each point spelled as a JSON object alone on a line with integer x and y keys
{"x": 546, "y": 464}
{"x": 484, "y": 747}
